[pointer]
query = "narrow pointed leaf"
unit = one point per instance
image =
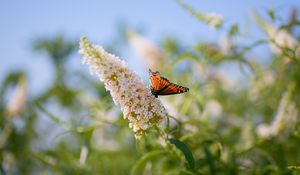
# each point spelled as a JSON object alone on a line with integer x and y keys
{"x": 185, "y": 150}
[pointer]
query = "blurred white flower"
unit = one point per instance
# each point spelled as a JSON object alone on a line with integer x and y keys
{"x": 267, "y": 79}
{"x": 17, "y": 102}
{"x": 280, "y": 38}
{"x": 151, "y": 55}
{"x": 264, "y": 130}
{"x": 9, "y": 162}
{"x": 172, "y": 106}
{"x": 190, "y": 128}
{"x": 225, "y": 45}
{"x": 214, "y": 20}
{"x": 83, "y": 155}
{"x": 286, "y": 116}
{"x": 227, "y": 81}
{"x": 213, "y": 108}
{"x": 127, "y": 89}
{"x": 247, "y": 138}
{"x": 87, "y": 98}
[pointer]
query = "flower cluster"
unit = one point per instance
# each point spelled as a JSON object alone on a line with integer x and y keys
{"x": 214, "y": 20}
{"x": 280, "y": 39}
{"x": 153, "y": 57}
{"x": 127, "y": 89}
{"x": 17, "y": 102}
{"x": 285, "y": 118}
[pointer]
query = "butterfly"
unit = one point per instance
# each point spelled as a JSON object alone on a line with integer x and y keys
{"x": 162, "y": 86}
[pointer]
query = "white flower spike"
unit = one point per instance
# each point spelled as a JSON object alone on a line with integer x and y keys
{"x": 127, "y": 89}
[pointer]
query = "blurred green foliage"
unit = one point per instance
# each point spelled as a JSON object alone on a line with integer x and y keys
{"x": 224, "y": 125}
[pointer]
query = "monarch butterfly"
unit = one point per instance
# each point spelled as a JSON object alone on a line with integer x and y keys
{"x": 162, "y": 86}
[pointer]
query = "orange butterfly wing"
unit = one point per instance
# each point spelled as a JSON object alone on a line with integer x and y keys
{"x": 162, "y": 86}
{"x": 173, "y": 89}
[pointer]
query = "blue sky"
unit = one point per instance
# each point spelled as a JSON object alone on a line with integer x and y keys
{"x": 22, "y": 21}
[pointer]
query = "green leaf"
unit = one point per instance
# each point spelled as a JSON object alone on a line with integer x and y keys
{"x": 48, "y": 114}
{"x": 140, "y": 164}
{"x": 209, "y": 159}
{"x": 271, "y": 14}
{"x": 185, "y": 56}
{"x": 185, "y": 150}
{"x": 186, "y": 106}
{"x": 234, "y": 29}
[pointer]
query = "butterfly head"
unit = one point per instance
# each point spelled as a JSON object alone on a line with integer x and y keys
{"x": 153, "y": 73}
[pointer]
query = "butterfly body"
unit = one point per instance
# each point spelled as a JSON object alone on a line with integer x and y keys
{"x": 162, "y": 86}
